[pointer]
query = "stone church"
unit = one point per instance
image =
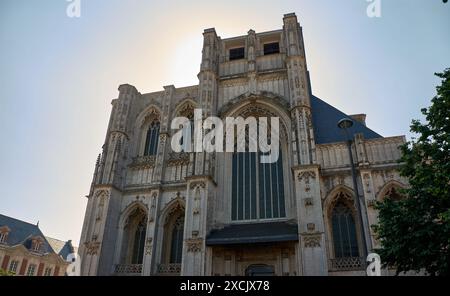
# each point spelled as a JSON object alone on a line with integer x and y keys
{"x": 152, "y": 211}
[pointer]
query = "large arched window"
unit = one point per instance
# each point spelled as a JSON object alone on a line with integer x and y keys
{"x": 152, "y": 139}
{"x": 134, "y": 237}
{"x": 176, "y": 246}
{"x": 344, "y": 231}
{"x": 139, "y": 243}
{"x": 257, "y": 188}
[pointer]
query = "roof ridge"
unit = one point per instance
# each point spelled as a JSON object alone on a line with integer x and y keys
{"x": 20, "y": 220}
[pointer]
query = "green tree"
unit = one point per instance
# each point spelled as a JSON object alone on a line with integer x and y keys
{"x": 6, "y": 273}
{"x": 415, "y": 231}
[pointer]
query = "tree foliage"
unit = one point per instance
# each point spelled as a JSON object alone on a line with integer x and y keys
{"x": 415, "y": 231}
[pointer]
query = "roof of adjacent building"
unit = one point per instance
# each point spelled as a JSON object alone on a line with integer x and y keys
{"x": 22, "y": 232}
{"x": 60, "y": 247}
{"x": 253, "y": 233}
{"x": 325, "y": 118}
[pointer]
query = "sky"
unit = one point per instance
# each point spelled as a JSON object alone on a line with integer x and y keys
{"x": 58, "y": 76}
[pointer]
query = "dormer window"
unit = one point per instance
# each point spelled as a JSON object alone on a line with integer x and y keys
{"x": 271, "y": 48}
{"x": 4, "y": 231}
{"x": 237, "y": 53}
{"x": 36, "y": 244}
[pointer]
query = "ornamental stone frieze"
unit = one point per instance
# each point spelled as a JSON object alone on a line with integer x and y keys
{"x": 143, "y": 162}
{"x": 178, "y": 158}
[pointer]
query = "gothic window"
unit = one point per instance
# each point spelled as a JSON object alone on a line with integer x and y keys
{"x": 134, "y": 237}
{"x": 176, "y": 246}
{"x": 13, "y": 266}
{"x": 152, "y": 139}
{"x": 3, "y": 237}
{"x": 139, "y": 243}
{"x": 257, "y": 188}
{"x": 344, "y": 231}
{"x": 31, "y": 270}
{"x": 188, "y": 134}
{"x": 4, "y": 231}
{"x": 237, "y": 53}
{"x": 271, "y": 48}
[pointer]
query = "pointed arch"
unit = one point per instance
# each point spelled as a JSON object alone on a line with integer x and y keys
{"x": 391, "y": 186}
{"x": 148, "y": 122}
{"x": 133, "y": 227}
{"x": 342, "y": 226}
{"x": 172, "y": 222}
{"x": 184, "y": 107}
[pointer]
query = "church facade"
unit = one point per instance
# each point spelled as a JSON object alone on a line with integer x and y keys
{"x": 152, "y": 211}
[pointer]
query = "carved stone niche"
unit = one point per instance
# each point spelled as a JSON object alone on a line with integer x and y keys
{"x": 311, "y": 226}
{"x": 308, "y": 201}
{"x": 148, "y": 246}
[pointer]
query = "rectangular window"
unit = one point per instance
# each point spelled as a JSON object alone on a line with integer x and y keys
{"x": 2, "y": 237}
{"x": 48, "y": 271}
{"x": 31, "y": 270}
{"x": 271, "y": 48}
{"x": 13, "y": 266}
{"x": 237, "y": 53}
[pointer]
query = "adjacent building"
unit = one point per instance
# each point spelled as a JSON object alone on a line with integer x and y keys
{"x": 24, "y": 250}
{"x": 152, "y": 211}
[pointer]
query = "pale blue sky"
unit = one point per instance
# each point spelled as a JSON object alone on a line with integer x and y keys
{"x": 58, "y": 76}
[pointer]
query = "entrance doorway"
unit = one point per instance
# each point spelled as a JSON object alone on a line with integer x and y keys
{"x": 260, "y": 270}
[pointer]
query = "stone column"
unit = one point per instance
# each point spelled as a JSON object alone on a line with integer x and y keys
{"x": 299, "y": 92}
{"x": 98, "y": 243}
{"x": 158, "y": 174}
{"x": 149, "y": 264}
{"x": 312, "y": 257}
{"x": 207, "y": 91}
{"x": 196, "y": 225}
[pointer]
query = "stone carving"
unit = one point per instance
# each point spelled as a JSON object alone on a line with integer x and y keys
{"x": 148, "y": 246}
{"x": 92, "y": 247}
{"x": 181, "y": 158}
{"x": 194, "y": 244}
{"x": 366, "y": 178}
{"x": 152, "y": 116}
{"x": 306, "y": 175}
{"x": 311, "y": 226}
{"x": 371, "y": 202}
{"x": 143, "y": 162}
{"x": 197, "y": 184}
{"x": 312, "y": 241}
{"x": 308, "y": 201}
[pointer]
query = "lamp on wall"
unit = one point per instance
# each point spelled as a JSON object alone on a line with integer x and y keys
{"x": 345, "y": 124}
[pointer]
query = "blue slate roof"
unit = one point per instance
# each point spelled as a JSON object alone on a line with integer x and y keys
{"x": 325, "y": 118}
{"x": 21, "y": 233}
